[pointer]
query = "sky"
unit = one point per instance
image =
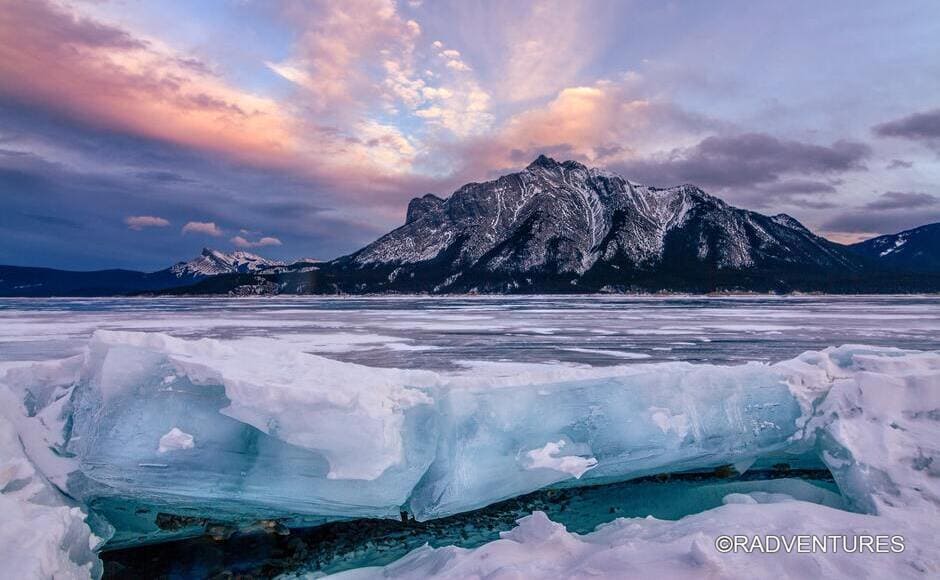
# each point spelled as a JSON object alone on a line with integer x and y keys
{"x": 133, "y": 133}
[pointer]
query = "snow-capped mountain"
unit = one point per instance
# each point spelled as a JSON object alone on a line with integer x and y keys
{"x": 916, "y": 250}
{"x": 213, "y": 262}
{"x": 552, "y": 227}
{"x": 556, "y": 224}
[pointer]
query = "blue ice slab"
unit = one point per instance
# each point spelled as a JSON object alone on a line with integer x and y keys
{"x": 656, "y": 420}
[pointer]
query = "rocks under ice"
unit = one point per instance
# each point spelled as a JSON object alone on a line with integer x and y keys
{"x": 256, "y": 430}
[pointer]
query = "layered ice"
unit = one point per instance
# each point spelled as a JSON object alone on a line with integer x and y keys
{"x": 195, "y": 432}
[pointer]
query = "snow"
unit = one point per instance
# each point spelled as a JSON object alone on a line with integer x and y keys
{"x": 174, "y": 440}
{"x": 684, "y": 549}
{"x": 898, "y": 242}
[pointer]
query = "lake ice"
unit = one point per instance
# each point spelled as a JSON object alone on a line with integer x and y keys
{"x": 301, "y": 411}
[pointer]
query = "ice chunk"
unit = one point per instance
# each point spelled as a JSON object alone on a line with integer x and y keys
{"x": 872, "y": 414}
{"x": 878, "y": 424}
{"x": 280, "y": 434}
{"x": 644, "y": 420}
{"x": 175, "y": 440}
{"x": 42, "y": 533}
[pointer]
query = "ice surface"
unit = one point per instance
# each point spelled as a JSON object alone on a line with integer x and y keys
{"x": 878, "y": 425}
{"x": 279, "y": 433}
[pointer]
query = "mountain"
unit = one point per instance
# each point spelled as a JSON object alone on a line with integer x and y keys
{"x": 26, "y": 281}
{"x": 552, "y": 227}
{"x": 213, "y": 262}
{"x": 916, "y": 250}
{"x": 563, "y": 226}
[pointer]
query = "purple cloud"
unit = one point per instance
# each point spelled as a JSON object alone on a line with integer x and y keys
{"x": 903, "y": 200}
{"x": 923, "y": 126}
{"x": 748, "y": 160}
{"x": 899, "y": 164}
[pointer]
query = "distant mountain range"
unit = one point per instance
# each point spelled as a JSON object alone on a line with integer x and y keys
{"x": 553, "y": 227}
{"x": 916, "y": 250}
{"x": 24, "y": 281}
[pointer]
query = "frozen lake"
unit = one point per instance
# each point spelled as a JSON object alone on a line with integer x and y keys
{"x": 485, "y": 423}
{"x": 442, "y": 332}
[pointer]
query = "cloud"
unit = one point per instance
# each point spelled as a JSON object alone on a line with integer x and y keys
{"x": 903, "y": 200}
{"x": 242, "y": 242}
{"x": 339, "y": 40}
{"x": 891, "y": 212}
{"x": 458, "y": 65}
{"x": 747, "y": 160}
{"x": 800, "y": 186}
{"x": 207, "y": 228}
{"x": 139, "y": 222}
{"x": 158, "y": 176}
{"x": 899, "y": 164}
{"x": 924, "y": 126}
{"x": 104, "y": 76}
{"x": 602, "y": 124}
{"x": 875, "y": 223}
{"x": 543, "y": 54}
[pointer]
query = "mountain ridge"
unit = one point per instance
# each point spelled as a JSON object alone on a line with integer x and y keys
{"x": 572, "y": 222}
{"x": 558, "y": 227}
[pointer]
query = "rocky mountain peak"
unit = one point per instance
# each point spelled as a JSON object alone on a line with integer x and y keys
{"x": 420, "y": 206}
{"x": 570, "y": 222}
{"x": 543, "y": 161}
{"x": 211, "y": 262}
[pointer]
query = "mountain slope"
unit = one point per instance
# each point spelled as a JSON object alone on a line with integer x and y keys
{"x": 563, "y": 224}
{"x": 916, "y": 250}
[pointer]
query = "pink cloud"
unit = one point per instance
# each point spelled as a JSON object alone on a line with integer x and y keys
{"x": 207, "y": 228}
{"x": 139, "y": 222}
{"x": 104, "y": 76}
{"x": 242, "y": 242}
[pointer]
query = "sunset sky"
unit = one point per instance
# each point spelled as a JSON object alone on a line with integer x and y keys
{"x": 133, "y": 133}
